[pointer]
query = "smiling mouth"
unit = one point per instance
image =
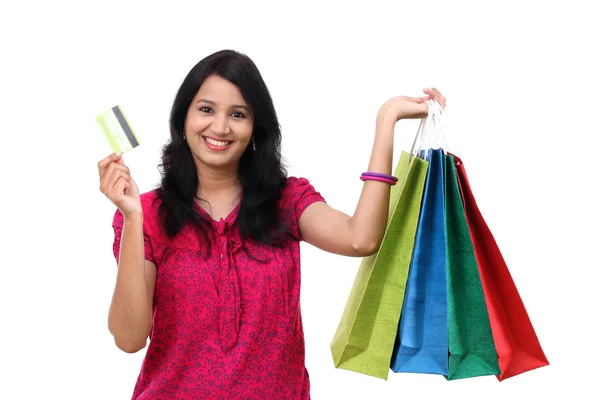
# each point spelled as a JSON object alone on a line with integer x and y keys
{"x": 219, "y": 144}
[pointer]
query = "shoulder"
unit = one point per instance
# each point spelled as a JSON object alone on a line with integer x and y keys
{"x": 295, "y": 185}
{"x": 299, "y": 193}
{"x": 150, "y": 202}
{"x": 150, "y": 208}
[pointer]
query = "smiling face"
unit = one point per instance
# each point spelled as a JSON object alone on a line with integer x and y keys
{"x": 218, "y": 126}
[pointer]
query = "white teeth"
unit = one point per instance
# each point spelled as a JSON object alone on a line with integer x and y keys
{"x": 216, "y": 142}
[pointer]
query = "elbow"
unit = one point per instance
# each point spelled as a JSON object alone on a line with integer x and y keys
{"x": 365, "y": 248}
{"x": 128, "y": 340}
{"x": 127, "y": 343}
{"x": 129, "y": 346}
{"x": 365, "y": 241}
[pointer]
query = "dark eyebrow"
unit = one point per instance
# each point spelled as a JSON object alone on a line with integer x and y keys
{"x": 213, "y": 103}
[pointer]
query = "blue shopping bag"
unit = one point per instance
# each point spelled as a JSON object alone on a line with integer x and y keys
{"x": 422, "y": 339}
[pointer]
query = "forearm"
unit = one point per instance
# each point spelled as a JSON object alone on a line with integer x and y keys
{"x": 370, "y": 218}
{"x": 130, "y": 315}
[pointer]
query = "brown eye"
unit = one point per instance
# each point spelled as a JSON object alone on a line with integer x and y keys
{"x": 205, "y": 109}
{"x": 238, "y": 115}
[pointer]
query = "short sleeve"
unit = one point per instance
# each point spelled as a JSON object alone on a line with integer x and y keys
{"x": 118, "y": 222}
{"x": 302, "y": 194}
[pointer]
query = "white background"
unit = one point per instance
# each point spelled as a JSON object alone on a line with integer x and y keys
{"x": 521, "y": 79}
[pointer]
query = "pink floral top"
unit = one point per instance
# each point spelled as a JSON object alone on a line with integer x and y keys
{"x": 224, "y": 325}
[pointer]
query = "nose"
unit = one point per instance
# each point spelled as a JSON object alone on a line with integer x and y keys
{"x": 220, "y": 125}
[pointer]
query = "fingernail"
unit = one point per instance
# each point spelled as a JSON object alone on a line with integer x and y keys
{"x": 118, "y": 154}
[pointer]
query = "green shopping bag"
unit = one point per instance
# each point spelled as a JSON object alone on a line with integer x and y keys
{"x": 364, "y": 340}
{"x": 470, "y": 341}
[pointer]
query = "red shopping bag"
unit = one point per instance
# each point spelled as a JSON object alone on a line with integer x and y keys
{"x": 517, "y": 345}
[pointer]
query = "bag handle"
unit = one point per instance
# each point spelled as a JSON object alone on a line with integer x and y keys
{"x": 430, "y": 129}
{"x": 422, "y": 132}
{"x": 435, "y": 137}
{"x": 439, "y": 128}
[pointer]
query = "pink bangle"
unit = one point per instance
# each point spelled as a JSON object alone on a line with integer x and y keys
{"x": 377, "y": 178}
{"x": 380, "y": 175}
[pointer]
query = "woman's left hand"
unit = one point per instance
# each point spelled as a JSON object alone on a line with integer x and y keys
{"x": 403, "y": 107}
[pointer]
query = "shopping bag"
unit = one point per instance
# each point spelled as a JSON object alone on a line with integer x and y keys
{"x": 422, "y": 339}
{"x": 472, "y": 351}
{"x": 365, "y": 337}
{"x": 517, "y": 345}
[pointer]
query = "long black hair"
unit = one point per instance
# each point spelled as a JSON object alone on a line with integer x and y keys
{"x": 261, "y": 171}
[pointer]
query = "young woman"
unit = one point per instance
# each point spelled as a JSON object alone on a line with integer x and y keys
{"x": 209, "y": 262}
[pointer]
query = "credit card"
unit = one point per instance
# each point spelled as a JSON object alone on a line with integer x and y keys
{"x": 117, "y": 130}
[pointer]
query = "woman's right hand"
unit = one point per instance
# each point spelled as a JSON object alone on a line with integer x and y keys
{"x": 116, "y": 184}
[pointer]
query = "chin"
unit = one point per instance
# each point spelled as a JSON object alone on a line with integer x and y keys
{"x": 217, "y": 160}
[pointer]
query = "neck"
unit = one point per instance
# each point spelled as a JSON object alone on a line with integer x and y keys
{"x": 217, "y": 183}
